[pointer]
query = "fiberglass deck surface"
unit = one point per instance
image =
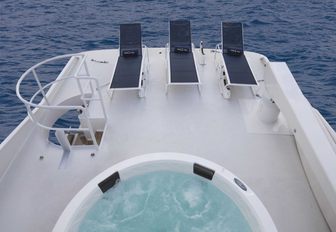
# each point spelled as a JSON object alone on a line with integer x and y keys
{"x": 34, "y": 192}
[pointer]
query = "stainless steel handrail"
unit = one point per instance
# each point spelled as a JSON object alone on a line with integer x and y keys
{"x": 41, "y": 90}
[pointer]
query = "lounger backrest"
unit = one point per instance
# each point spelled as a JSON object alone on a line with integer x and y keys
{"x": 130, "y": 40}
{"x": 180, "y": 36}
{"x": 232, "y": 38}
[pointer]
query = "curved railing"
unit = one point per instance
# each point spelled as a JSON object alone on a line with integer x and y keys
{"x": 46, "y": 103}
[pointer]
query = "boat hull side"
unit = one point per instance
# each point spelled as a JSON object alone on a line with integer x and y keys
{"x": 315, "y": 150}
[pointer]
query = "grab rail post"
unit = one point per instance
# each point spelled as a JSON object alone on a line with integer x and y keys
{"x": 40, "y": 86}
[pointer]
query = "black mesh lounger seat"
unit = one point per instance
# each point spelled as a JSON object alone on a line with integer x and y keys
{"x": 128, "y": 72}
{"x": 182, "y": 68}
{"x": 238, "y": 69}
{"x": 181, "y": 61}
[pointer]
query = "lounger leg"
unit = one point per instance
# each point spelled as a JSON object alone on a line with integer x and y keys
{"x": 143, "y": 86}
{"x": 226, "y": 92}
{"x": 166, "y": 89}
{"x": 199, "y": 89}
{"x": 142, "y": 92}
{"x": 109, "y": 92}
{"x": 221, "y": 86}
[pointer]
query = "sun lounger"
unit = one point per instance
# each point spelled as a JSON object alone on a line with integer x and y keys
{"x": 130, "y": 68}
{"x": 236, "y": 69}
{"x": 182, "y": 69}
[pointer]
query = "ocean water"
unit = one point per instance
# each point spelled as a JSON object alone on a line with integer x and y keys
{"x": 301, "y": 33}
{"x": 164, "y": 201}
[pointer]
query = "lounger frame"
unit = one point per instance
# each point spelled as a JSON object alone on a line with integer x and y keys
{"x": 169, "y": 81}
{"x": 143, "y": 74}
{"x": 224, "y": 81}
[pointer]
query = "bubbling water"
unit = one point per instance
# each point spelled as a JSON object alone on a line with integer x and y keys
{"x": 164, "y": 201}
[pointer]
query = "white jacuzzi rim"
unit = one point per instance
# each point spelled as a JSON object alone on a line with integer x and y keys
{"x": 247, "y": 201}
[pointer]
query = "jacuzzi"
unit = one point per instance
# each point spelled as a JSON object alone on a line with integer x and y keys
{"x": 243, "y": 197}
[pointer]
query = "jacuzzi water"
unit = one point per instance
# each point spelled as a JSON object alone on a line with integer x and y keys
{"x": 164, "y": 201}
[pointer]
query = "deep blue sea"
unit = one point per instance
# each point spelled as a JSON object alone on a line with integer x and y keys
{"x": 301, "y": 33}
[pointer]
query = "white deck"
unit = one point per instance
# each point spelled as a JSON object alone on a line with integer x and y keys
{"x": 34, "y": 192}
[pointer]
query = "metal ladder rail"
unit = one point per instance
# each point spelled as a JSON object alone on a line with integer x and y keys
{"x": 30, "y": 104}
